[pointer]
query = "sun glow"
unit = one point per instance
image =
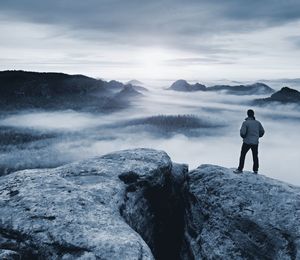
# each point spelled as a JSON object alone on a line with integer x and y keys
{"x": 154, "y": 61}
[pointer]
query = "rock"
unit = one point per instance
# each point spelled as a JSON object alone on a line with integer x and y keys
{"x": 74, "y": 211}
{"x": 156, "y": 211}
{"x": 243, "y": 216}
{"x": 9, "y": 255}
{"x": 285, "y": 95}
{"x": 137, "y": 204}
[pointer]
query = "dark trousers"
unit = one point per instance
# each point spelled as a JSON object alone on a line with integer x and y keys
{"x": 245, "y": 149}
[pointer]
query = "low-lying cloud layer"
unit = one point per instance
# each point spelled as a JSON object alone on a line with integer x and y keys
{"x": 47, "y": 139}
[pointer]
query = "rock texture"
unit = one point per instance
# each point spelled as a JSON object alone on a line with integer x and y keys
{"x": 137, "y": 204}
{"x": 74, "y": 211}
{"x": 243, "y": 216}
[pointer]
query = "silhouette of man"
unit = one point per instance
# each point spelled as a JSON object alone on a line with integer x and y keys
{"x": 251, "y": 131}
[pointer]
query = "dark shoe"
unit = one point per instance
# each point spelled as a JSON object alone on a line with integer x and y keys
{"x": 254, "y": 172}
{"x": 237, "y": 171}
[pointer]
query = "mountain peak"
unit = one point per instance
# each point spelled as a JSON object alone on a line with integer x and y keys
{"x": 184, "y": 86}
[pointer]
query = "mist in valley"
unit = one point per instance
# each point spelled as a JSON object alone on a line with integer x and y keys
{"x": 194, "y": 128}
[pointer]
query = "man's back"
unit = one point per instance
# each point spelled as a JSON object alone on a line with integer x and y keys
{"x": 251, "y": 131}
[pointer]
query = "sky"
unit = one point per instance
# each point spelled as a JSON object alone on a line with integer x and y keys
{"x": 157, "y": 39}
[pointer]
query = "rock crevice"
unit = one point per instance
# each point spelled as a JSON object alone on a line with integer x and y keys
{"x": 138, "y": 204}
{"x": 159, "y": 210}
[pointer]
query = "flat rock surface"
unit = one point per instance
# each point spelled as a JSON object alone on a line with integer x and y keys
{"x": 74, "y": 211}
{"x": 243, "y": 216}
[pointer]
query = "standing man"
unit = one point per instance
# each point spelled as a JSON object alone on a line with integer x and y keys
{"x": 251, "y": 131}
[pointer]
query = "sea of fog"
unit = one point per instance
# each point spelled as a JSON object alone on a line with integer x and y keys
{"x": 48, "y": 139}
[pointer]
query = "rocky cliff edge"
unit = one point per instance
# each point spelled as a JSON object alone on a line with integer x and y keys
{"x": 138, "y": 204}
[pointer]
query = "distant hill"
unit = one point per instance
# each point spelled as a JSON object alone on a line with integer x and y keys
{"x": 135, "y": 82}
{"x": 128, "y": 91}
{"x": 184, "y": 86}
{"x": 285, "y": 95}
{"x": 253, "y": 89}
{"x": 21, "y": 89}
{"x": 34, "y": 84}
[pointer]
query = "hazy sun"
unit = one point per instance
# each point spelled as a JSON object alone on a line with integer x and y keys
{"x": 154, "y": 61}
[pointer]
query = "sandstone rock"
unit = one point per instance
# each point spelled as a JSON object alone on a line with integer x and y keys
{"x": 137, "y": 204}
{"x": 74, "y": 211}
{"x": 243, "y": 216}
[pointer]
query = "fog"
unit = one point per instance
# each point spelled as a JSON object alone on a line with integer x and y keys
{"x": 206, "y": 131}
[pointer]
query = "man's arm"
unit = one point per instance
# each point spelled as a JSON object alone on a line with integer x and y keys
{"x": 243, "y": 131}
{"x": 261, "y": 130}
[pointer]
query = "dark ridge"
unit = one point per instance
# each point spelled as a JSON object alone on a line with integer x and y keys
{"x": 253, "y": 89}
{"x": 50, "y": 90}
{"x": 45, "y": 84}
{"x": 285, "y": 95}
{"x": 184, "y": 86}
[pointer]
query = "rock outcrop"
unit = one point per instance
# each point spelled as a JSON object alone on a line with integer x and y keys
{"x": 184, "y": 86}
{"x": 285, "y": 96}
{"x": 243, "y": 216}
{"x": 75, "y": 211}
{"x": 137, "y": 204}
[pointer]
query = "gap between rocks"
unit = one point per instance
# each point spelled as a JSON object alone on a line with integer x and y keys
{"x": 156, "y": 212}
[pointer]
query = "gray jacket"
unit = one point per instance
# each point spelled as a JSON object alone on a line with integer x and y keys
{"x": 251, "y": 131}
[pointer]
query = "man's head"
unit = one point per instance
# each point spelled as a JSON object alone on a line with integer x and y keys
{"x": 250, "y": 113}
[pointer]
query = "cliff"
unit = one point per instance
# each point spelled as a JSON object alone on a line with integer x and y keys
{"x": 138, "y": 204}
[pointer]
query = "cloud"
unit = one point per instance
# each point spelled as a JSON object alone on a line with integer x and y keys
{"x": 295, "y": 40}
{"x": 229, "y": 38}
{"x": 53, "y": 138}
{"x": 154, "y": 22}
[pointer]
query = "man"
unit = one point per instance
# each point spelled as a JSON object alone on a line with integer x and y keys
{"x": 251, "y": 131}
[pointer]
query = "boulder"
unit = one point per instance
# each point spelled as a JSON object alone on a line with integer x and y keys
{"x": 75, "y": 211}
{"x": 244, "y": 216}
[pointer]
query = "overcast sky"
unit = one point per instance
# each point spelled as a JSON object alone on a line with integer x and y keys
{"x": 157, "y": 39}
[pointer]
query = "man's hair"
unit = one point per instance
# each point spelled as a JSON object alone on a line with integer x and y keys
{"x": 250, "y": 113}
